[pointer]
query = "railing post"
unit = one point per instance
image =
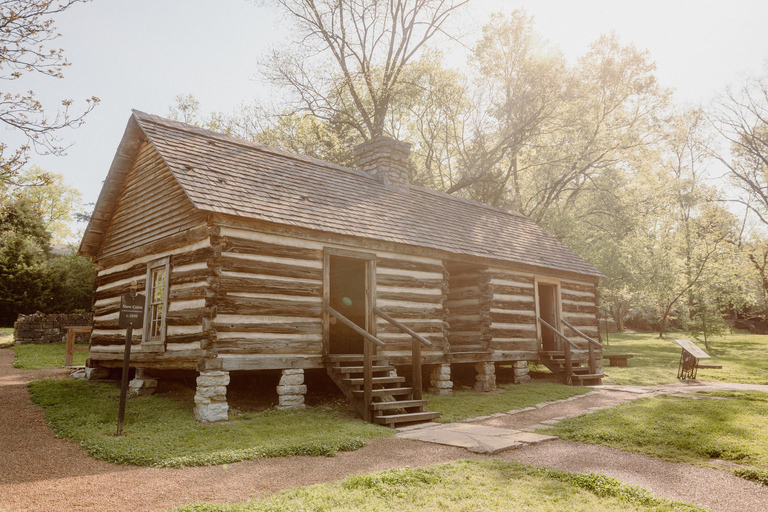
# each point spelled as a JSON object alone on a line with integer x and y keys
{"x": 592, "y": 366}
{"x": 416, "y": 373}
{"x": 367, "y": 378}
{"x": 568, "y": 366}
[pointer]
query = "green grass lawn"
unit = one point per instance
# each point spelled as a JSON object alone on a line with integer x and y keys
{"x": 46, "y": 355}
{"x": 744, "y": 358}
{"x": 733, "y": 426}
{"x": 477, "y": 484}
{"x": 163, "y": 432}
{"x": 6, "y": 337}
{"x": 465, "y": 404}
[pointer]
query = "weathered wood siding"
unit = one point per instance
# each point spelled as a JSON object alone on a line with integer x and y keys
{"x": 152, "y": 206}
{"x": 269, "y": 296}
{"x": 469, "y": 307}
{"x": 580, "y": 303}
{"x": 191, "y": 259}
{"x": 513, "y": 311}
{"x": 413, "y": 291}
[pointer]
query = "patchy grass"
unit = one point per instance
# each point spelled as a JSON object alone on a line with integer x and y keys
{"x": 477, "y": 484}
{"x": 162, "y": 432}
{"x": 46, "y": 355}
{"x": 6, "y": 337}
{"x": 465, "y": 404}
{"x": 744, "y": 358}
{"x": 730, "y": 426}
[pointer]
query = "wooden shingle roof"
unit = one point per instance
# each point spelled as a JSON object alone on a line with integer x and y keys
{"x": 227, "y": 175}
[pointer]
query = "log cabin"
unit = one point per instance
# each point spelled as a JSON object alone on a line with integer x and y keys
{"x": 252, "y": 259}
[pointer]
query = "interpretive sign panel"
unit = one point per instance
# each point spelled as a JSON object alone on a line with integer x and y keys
{"x": 131, "y": 311}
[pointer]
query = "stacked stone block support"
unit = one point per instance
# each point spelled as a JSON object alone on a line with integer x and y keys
{"x": 521, "y": 372}
{"x": 142, "y": 384}
{"x": 440, "y": 380}
{"x": 211, "y": 397}
{"x": 486, "y": 377}
{"x": 291, "y": 390}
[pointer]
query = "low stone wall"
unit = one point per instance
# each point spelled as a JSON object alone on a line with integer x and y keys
{"x": 42, "y": 328}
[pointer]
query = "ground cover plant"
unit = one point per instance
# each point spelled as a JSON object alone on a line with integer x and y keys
{"x": 476, "y": 484}
{"x": 35, "y": 356}
{"x": 162, "y": 432}
{"x": 731, "y": 426}
{"x": 465, "y": 404}
{"x": 744, "y": 358}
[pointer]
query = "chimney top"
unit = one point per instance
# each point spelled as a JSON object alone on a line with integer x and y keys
{"x": 386, "y": 159}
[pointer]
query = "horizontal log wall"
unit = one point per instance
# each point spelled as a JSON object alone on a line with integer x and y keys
{"x": 269, "y": 297}
{"x": 580, "y": 304}
{"x": 413, "y": 291}
{"x": 191, "y": 260}
{"x": 151, "y": 207}
{"x": 468, "y": 305}
{"x": 513, "y": 317}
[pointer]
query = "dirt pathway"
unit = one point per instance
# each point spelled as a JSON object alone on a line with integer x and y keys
{"x": 40, "y": 472}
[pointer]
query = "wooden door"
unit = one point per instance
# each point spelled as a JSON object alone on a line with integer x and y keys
{"x": 548, "y": 313}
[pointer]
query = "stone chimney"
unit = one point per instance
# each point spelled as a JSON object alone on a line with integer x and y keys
{"x": 385, "y": 158}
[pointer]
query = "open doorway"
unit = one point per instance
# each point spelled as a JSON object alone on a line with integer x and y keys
{"x": 548, "y": 312}
{"x": 347, "y": 296}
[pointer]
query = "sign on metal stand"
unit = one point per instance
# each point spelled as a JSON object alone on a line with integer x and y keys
{"x": 131, "y": 315}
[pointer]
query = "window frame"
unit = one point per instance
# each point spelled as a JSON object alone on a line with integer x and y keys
{"x": 157, "y": 344}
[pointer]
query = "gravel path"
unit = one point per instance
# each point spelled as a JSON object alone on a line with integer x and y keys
{"x": 40, "y": 472}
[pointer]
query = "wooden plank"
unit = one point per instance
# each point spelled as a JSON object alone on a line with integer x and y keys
{"x": 402, "y": 264}
{"x": 401, "y": 313}
{"x": 269, "y": 268}
{"x": 407, "y": 281}
{"x": 274, "y": 307}
{"x": 269, "y": 327}
{"x": 410, "y": 297}
{"x": 242, "y": 245}
{"x": 184, "y": 238}
{"x": 265, "y": 285}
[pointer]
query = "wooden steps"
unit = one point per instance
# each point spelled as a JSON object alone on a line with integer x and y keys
{"x": 392, "y": 404}
{"x": 581, "y": 373}
{"x": 411, "y": 417}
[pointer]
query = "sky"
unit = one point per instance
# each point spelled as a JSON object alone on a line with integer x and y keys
{"x": 141, "y": 54}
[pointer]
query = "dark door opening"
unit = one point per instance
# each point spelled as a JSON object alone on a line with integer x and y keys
{"x": 347, "y": 296}
{"x": 548, "y": 313}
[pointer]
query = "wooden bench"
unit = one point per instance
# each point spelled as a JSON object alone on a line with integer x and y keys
{"x": 618, "y": 359}
{"x": 71, "y": 331}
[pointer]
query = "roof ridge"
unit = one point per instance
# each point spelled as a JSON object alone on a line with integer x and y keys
{"x": 205, "y": 132}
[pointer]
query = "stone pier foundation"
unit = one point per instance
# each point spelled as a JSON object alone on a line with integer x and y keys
{"x": 211, "y": 397}
{"x": 142, "y": 384}
{"x": 521, "y": 372}
{"x": 291, "y": 390}
{"x": 440, "y": 380}
{"x": 486, "y": 377}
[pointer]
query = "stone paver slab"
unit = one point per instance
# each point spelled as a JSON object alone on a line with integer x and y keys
{"x": 476, "y": 438}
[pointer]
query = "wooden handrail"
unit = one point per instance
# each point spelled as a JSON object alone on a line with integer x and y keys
{"x": 567, "y": 366}
{"x": 349, "y": 323}
{"x": 591, "y": 340}
{"x": 415, "y": 351}
{"x": 562, "y": 336}
{"x": 402, "y": 327}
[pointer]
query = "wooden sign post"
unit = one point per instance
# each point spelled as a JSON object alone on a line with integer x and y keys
{"x": 131, "y": 315}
